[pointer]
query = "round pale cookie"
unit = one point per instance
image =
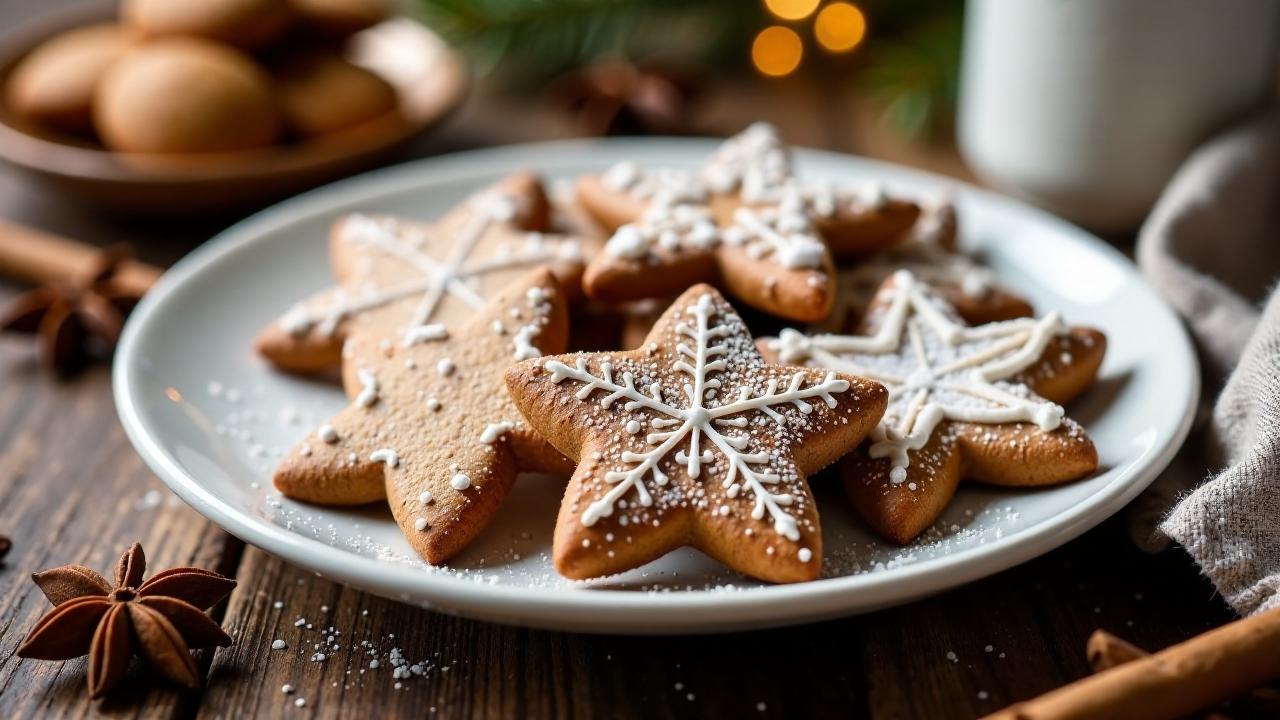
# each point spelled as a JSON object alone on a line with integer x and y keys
{"x": 54, "y": 84}
{"x": 185, "y": 95}
{"x": 339, "y": 18}
{"x": 307, "y": 86}
{"x": 244, "y": 23}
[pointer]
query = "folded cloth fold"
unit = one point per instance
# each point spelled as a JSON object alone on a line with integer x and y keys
{"x": 1211, "y": 247}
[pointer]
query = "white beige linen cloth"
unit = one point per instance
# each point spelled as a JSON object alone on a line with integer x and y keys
{"x": 1211, "y": 247}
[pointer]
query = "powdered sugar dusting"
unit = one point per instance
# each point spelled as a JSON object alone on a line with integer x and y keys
{"x": 714, "y": 413}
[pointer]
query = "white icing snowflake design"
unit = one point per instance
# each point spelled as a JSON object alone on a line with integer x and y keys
{"x": 775, "y": 222}
{"x": 935, "y": 369}
{"x": 437, "y": 278}
{"x": 695, "y": 424}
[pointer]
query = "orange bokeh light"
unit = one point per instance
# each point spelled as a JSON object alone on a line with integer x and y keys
{"x": 840, "y": 27}
{"x": 791, "y": 9}
{"x": 777, "y": 51}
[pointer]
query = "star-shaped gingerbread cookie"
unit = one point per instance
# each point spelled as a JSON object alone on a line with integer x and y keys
{"x": 692, "y": 439}
{"x": 431, "y": 427}
{"x": 965, "y": 402}
{"x": 929, "y": 251}
{"x": 432, "y": 275}
{"x": 744, "y": 223}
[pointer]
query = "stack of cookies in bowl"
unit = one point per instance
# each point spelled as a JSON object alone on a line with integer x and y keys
{"x": 737, "y": 328}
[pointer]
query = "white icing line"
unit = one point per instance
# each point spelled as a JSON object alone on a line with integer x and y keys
{"x": 708, "y": 353}
{"x": 987, "y": 354}
{"x": 493, "y": 431}
{"x": 386, "y": 456}
{"x": 368, "y": 394}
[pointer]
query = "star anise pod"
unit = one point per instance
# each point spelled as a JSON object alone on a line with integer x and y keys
{"x": 614, "y": 97}
{"x": 160, "y": 620}
{"x": 75, "y": 319}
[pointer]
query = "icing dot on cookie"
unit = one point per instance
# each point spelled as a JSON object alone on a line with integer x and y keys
{"x": 805, "y": 555}
{"x": 424, "y": 497}
{"x": 633, "y": 426}
{"x": 420, "y": 524}
{"x": 327, "y": 434}
{"x": 445, "y": 367}
{"x": 460, "y": 481}
{"x": 433, "y": 404}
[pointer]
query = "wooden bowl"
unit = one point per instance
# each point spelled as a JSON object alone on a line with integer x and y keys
{"x": 430, "y": 78}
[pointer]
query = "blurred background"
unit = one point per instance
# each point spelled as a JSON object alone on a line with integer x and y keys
{"x": 118, "y": 115}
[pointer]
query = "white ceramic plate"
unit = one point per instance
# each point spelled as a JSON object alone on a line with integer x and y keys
{"x": 211, "y": 419}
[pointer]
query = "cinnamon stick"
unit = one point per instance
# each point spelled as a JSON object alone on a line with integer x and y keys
{"x": 1179, "y": 680}
{"x": 40, "y": 257}
{"x": 1106, "y": 651}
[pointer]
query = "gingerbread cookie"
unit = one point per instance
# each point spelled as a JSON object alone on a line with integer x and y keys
{"x": 929, "y": 251}
{"x": 744, "y": 222}
{"x": 965, "y": 402}
{"x": 431, "y": 276}
{"x": 693, "y": 439}
{"x": 431, "y": 427}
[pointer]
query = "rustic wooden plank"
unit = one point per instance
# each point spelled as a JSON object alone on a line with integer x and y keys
{"x": 73, "y": 490}
{"x": 894, "y": 663}
{"x": 496, "y": 671}
{"x": 930, "y": 659}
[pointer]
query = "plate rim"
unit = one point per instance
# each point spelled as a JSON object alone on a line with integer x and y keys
{"x": 705, "y": 611}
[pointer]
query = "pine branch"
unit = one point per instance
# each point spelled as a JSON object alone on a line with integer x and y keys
{"x": 534, "y": 39}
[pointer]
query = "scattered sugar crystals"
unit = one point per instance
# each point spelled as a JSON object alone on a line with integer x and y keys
{"x": 371, "y": 659}
{"x": 524, "y": 560}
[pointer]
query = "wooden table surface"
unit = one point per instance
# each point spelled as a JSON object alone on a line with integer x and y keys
{"x": 73, "y": 490}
